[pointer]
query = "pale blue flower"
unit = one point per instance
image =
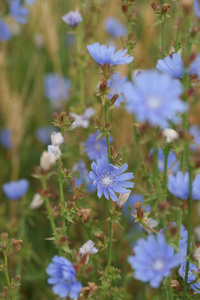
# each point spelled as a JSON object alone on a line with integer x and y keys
{"x": 171, "y": 165}
{"x": 5, "y": 33}
{"x": 18, "y": 12}
{"x": 191, "y": 276}
{"x": 14, "y": 190}
{"x": 72, "y": 18}
{"x": 106, "y": 55}
{"x": 94, "y": 148}
{"x": 194, "y": 67}
{"x": 171, "y": 66}
{"x": 63, "y": 278}
{"x": 5, "y": 138}
{"x": 56, "y": 88}
{"x": 155, "y": 98}
{"x": 29, "y": 2}
{"x": 43, "y": 134}
{"x": 154, "y": 259}
{"x": 110, "y": 179}
{"x": 83, "y": 176}
{"x": 115, "y": 28}
{"x": 197, "y": 8}
{"x": 118, "y": 85}
{"x": 195, "y": 132}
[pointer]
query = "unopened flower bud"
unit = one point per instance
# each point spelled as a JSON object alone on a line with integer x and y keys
{"x": 124, "y": 8}
{"x": 100, "y": 237}
{"x": 170, "y": 134}
{"x": 165, "y": 8}
{"x": 103, "y": 85}
{"x": 139, "y": 210}
{"x": 56, "y": 138}
{"x": 113, "y": 99}
{"x": 88, "y": 249}
{"x": 36, "y": 202}
{"x": 99, "y": 124}
{"x": 62, "y": 118}
{"x": 54, "y": 150}
{"x": 154, "y": 6}
{"x": 47, "y": 160}
{"x": 122, "y": 199}
{"x": 55, "y": 115}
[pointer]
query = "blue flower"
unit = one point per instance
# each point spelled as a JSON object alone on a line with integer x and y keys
{"x": 72, "y": 18}
{"x": 18, "y": 12}
{"x": 118, "y": 86}
{"x": 14, "y": 190}
{"x": 195, "y": 131}
{"x": 5, "y": 138}
{"x": 153, "y": 260}
{"x": 43, "y": 134}
{"x": 194, "y": 67}
{"x": 171, "y": 165}
{"x": 95, "y": 148}
{"x": 83, "y": 178}
{"x": 171, "y": 66}
{"x": 115, "y": 28}
{"x": 63, "y": 278}
{"x": 106, "y": 55}
{"x": 191, "y": 277}
{"x": 197, "y": 8}
{"x": 179, "y": 186}
{"x": 56, "y": 87}
{"x": 5, "y": 33}
{"x": 109, "y": 179}
{"x": 155, "y": 98}
{"x": 29, "y": 2}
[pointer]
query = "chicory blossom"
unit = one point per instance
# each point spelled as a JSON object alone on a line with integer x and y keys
{"x": 154, "y": 259}
{"x": 155, "y": 98}
{"x": 82, "y": 120}
{"x": 195, "y": 132}
{"x": 196, "y": 8}
{"x": 94, "y": 148}
{"x": 118, "y": 85}
{"x": 14, "y": 190}
{"x": 72, "y": 18}
{"x": 170, "y": 134}
{"x": 63, "y": 278}
{"x": 110, "y": 179}
{"x": 83, "y": 178}
{"x": 56, "y": 138}
{"x": 194, "y": 67}
{"x": 87, "y": 249}
{"x": 43, "y": 134}
{"x": 191, "y": 276}
{"x": 18, "y": 12}
{"x": 36, "y": 202}
{"x": 47, "y": 160}
{"x": 55, "y": 150}
{"x": 56, "y": 88}
{"x": 115, "y": 28}
{"x": 106, "y": 55}
{"x": 5, "y": 138}
{"x": 5, "y": 33}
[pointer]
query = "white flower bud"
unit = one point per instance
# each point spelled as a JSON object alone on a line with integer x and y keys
{"x": 170, "y": 134}
{"x": 88, "y": 249}
{"x": 122, "y": 199}
{"x": 196, "y": 255}
{"x": 54, "y": 150}
{"x": 56, "y": 138}
{"x": 47, "y": 160}
{"x": 36, "y": 202}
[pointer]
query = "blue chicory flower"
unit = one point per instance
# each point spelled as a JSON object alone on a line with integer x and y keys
{"x": 118, "y": 86}
{"x": 155, "y": 98}
{"x": 178, "y": 185}
{"x": 196, "y": 8}
{"x": 5, "y": 33}
{"x": 194, "y": 67}
{"x": 82, "y": 120}
{"x": 18, "y": 12}
{"x": 81, "y": 169}
{"x": 94, "y": 148}
{"x": 5, "y": 138}
{"x": 171, "y": 165}
{"x": 171, "y": 66}
{"x": 29, "y": 2}
{"x": 14, "y": 190}
{"x": 195, "y": 131}
{"x": 110, "y": 179}
{"x": 43, "y": 134}
{"x": 191, "y": 276}
{"x": 106, "y": 55}
{"x": 72, "y": 18}
{"x": 63, "y": 278}
{"x": 115, "y": 28}
{"x": 56, "y": 88}
{"x": 153, "y": 260}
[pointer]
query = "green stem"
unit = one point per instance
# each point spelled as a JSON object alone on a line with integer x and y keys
{"x": 109, "y": 201}
{"x": 137, "y": 144}
{"x": 7, "y": 275}
{"x": 167, "y": 148}
{"x": 144, "y": 291}
{"x": 178, "y": 223}
{"x": 163, "y": 36}
{"x": 147, "y": 227}
{"x": 61, "y": 189}
{"x": 155, "y": 162}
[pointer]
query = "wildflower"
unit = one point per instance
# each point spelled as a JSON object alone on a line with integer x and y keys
{"x": 155, "y": 98}
{"x": 115, "y": 28}
{"x": 83, "y": 178}
{"x": 195, "y": 132}
{"x": 196, "y": 255}
{"x": 29, "y": 2}
{"x": 55, "y": 150}
{"x": 171, "y": 66}
{"x": 118, "y": 86}
{"x": 18, "y": 12}
{"x": 153, "y": 260}
{"x": 191, "y": 276}
{"x": 179, "y": 186}
{"x": 5, "y": 33}
{"x": 47, "y": 160}
{"x": 56, "y": 88}
{"x": 82, "y": 120}
{"x": 194, "y": 67}
{"x": 43, "y": 134}
{"x": 63, "y": 278}
{"x": 36, "y": 202}
{"x": 170, "y": 134}
{"x": 72, "y": 18}
{"x": 5, "y": 138}
{"x": 14, "y": 190}
{"x": 87, "y": 249}
{"x": 56, "y": 138}
{"x": 122, "y": 199}
{"x": 94, "y": 148}
{"x": 106, "y": 55}
{"x": 109, "y": 179}
{"x": 196, "y": 8}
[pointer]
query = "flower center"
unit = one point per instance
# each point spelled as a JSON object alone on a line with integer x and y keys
{"x": 153, "y": 102}
{"x": 107, "y": 179}
{"x": 159, "y": 264}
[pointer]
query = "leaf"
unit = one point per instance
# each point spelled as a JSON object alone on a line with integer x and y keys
{"x": 158, "y": 21}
